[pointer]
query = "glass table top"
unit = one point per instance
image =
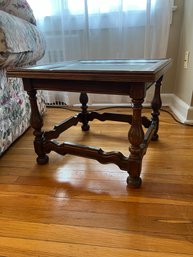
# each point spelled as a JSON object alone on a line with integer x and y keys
{"x": 104, "y": 65}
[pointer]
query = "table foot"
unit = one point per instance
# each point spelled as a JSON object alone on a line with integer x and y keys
{"x": 42, "y": 160}
{"x": 85, "y": 127}
{"x": 134, "y": 181}
{"x": 155, "y": 137}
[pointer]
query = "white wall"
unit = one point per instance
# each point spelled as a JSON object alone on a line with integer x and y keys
{"x": 173, "y": 46}
{"x": 179, "y": 81}
{"x": 184, "y": 77}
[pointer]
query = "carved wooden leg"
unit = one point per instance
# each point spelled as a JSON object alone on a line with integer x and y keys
{"x": 37, "y": 123}
{"x": 136, "y": 137}
{"x": 156, "y": 105}
{"x": 84, "y": 114}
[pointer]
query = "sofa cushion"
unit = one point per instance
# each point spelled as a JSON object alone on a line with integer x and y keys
{"x": 26, "y": 40}
{"x": 19, "y": 8}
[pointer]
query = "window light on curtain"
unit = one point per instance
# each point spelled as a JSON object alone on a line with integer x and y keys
{"x": 90, "y": 29}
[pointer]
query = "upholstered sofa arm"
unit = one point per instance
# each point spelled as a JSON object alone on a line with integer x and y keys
{"x": 21, "y": 43}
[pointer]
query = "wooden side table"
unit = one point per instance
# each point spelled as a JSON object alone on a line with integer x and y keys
{"x": 119, "y": 77}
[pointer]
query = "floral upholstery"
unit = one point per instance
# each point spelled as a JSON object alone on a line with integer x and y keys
{"x": 19, "y": 8}
{"x": 16, "y": 50}
{"x": 23, "y": 47}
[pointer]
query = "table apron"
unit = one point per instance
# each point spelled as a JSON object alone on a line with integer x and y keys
{"x": 133, "y": 89}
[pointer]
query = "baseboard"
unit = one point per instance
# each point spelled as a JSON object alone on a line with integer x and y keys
{"x": 190, "y": 114}
{"x": 181, "y": 109}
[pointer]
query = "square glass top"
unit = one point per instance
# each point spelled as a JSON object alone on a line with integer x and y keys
{"x": 123, "y": 65}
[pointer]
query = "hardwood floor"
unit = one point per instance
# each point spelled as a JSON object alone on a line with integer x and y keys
{"x": 79, "y": 207}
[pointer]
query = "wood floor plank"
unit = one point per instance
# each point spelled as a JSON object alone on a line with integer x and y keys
{"x": 96, "y": 238}
{"x": 152, "y": 217}
{"x": 21, "y": 247}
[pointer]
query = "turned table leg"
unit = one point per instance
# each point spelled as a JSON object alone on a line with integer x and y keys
{"x": 84, "y": 114}
{"x": 156, "y": 105}
{"x": 136, "y": 137}
{"x": 37, "y": 123}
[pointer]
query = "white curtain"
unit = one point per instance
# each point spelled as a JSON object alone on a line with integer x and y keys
{"x": 102, "y": 29}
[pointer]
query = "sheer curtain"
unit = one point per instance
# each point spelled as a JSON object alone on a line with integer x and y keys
{"x": 102, "y": 29}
